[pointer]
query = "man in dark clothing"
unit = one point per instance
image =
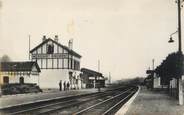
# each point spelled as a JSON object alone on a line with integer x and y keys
{"x": 68, "y": 85}
{"x": 60, "y": 85}
{"x": 64, "y": 86}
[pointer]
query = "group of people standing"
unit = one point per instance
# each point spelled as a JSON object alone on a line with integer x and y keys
{"x": 65, "y": 85}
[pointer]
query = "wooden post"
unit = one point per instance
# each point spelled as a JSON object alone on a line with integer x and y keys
{"x": 180, "y": 88}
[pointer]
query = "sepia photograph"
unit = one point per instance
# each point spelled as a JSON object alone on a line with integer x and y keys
{"x": 91, "y": 57}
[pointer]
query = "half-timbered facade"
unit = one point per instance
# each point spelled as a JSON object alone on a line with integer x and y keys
{"x": 57, "y": 63}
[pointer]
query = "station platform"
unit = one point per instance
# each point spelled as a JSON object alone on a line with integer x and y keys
{"x": 154, "y": 103}
{"x": 20, "y": 99}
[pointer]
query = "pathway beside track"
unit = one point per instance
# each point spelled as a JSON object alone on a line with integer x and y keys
{"x": 20, "y": 99}
{"x": 154, "y": 103}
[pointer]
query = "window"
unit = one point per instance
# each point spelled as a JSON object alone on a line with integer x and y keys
{"x": 76, "y": 65}
{"x": 50, "y": 49}
{"x": 60, "y": 63}
{"x": 49, "y": 63}
{"x": 66, "y": 63}
{"x": 70, "y": 63}
{"x": 55, "y": 63}
{"x": 43, "y": 63}
{"x": 39, "y": 62}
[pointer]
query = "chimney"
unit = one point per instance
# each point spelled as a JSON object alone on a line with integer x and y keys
{"x": 70, "y": 44}
{"x": 56, "y": 38}
{"x": 44, "y": 38}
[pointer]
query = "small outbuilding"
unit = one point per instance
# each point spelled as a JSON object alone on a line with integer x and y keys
{"x": 92, "y": 79}
{"x": 19, "y": 72}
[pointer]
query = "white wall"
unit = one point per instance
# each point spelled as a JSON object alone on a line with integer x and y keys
{"x": 27, "y": 79}
{"x": 50, "y": 78}
{"x": 156, "y": 82}
{"x": 31, "y": 79}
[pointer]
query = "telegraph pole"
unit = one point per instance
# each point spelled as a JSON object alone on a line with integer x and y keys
{"x": 98, "y": 65}
{"x": 153, "y": 74}
{"x": 153, "y": 64}
{"x": 179, "y": 26}
{"x": 179, "y": 80}
{"x": 29, "y": 45}
{"x": 109, "y": 77}
{"x": 98, "y": 71}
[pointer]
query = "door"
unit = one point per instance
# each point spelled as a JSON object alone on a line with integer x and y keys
{"x": 6, "y": 80}
{"x": 21, "y": 80}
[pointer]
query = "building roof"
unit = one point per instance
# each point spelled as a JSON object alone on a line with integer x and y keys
{"x": 64, "y": 47}
{"x": 18, "y": 66}
{"x": 91, "y": 72}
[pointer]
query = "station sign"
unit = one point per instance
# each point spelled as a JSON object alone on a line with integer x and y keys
{"x": 91, "y": 78}
{"x": 45, "y": 56}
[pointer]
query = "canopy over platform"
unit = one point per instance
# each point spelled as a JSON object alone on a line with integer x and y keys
{"x": 91, "y": 72}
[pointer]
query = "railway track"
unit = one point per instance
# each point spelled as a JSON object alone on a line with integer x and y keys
{"x": 106, "y": 103}
{"x": 108, "y": 106}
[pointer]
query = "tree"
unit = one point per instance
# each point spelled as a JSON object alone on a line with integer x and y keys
{"x": 5, "y": 58}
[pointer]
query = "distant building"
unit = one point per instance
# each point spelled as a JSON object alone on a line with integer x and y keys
{"x": 57, "y": 63}
{"x": 19, "y": 72}
{"x": 92, "y": 79}
{"x": 153, "y": 80}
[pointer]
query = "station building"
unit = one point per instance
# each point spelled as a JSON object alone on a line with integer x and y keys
{"x": 57, "y": 63}
{"x": 19, "y": 72}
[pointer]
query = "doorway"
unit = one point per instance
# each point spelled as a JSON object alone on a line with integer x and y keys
{"x": 21, "y": 80}
{"x": 6, "y": 80}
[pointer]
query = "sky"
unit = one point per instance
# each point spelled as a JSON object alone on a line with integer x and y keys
{"x": 125, "y": 35}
